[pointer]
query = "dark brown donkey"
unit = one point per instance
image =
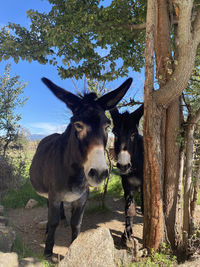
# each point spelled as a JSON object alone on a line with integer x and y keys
{"x": 128, "y": 147}
{"x": 66, "y": 164}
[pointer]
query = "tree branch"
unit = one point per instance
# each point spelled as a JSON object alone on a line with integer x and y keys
{"x": 186, "y": 48}
{"x": 186, "y": 104}
{"x": 184, "y": 20}
{"x": 128, "y": 26}
{"x": 196, "y": 28}
{"x": 196, "y": 117}
{"x": 135, "y": 26}
{"x": 131, "y": 103}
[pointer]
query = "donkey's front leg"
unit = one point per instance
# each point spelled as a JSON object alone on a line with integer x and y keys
{"x": 53, "y": 221}
{"x": 78, "y": 208}
{"x": 62, "y": 215}
{"x": 129, "y": 214}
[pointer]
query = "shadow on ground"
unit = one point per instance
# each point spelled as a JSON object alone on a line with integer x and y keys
{"x": 25, "y": 223}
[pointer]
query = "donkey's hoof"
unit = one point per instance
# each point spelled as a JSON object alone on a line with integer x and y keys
{"x": 54, "y": 259}
{"x": 126, "y": 241}
{"x": 48, "y": 254}
{"x": 123, "y": 240}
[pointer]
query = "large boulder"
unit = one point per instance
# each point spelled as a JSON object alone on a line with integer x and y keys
{"x": 93, "y": 248}
{"x": 8, "y": 259}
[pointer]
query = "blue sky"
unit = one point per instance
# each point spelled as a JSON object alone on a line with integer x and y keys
{"x": 44, "y": 113}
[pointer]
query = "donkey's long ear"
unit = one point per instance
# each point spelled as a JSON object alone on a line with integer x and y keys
{"x": 137, "y": 114}
{"x": 110, "y": 100}
{"x": 68, "y": 98}
{"x": 114, "y": 113}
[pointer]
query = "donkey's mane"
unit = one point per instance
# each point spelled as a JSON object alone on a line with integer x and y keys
{"x": 89, "y": 97}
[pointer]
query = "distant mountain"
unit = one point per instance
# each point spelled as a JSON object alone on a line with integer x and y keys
{"x": 34, "y": 137}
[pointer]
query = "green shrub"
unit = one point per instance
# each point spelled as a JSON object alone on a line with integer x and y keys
{"x": 23, "y": 252}
{"x": 18, "y": 198}
{"x": 163, "y": 258}
{"x": 96, "y": 208}
{"x": 20, "y": 248}
{"x": 114, "y": 189}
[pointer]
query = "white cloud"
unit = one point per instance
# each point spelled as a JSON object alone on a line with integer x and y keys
{"x": 46, "y": 128}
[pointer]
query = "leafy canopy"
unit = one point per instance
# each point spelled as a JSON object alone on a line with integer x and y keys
{"x": 81, "y": 38}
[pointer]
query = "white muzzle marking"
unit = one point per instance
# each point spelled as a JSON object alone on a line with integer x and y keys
{"x": 95, "y": 160}
{"x": 124, "y": 158}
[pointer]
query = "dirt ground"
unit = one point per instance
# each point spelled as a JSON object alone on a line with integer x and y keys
{"x": 25, "y": 222}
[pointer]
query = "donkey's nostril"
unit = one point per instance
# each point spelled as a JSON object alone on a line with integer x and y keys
{"x": 118, "y": 165}
{"x": 97, "y": 174}
{"x": 93, "y": 172}
{"x": 122, "y": 167}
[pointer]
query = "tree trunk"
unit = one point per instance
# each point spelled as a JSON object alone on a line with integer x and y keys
{"x": 171, "y": 174}
{"x": 191, "y": 125}
{"x": 170, "y": 122}
{"x": 188, "y": 176}
{"x": 5, "y": 147}
{"x": 153, "y": 206}
{"x": 161, "y": 154}
{"x": 193, "y": 204}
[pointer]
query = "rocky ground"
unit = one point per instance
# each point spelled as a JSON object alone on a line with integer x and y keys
{"x": 25, "y": 222}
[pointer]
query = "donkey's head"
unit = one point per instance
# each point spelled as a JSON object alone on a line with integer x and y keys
{"x": 126, "y": 135}
{"x": 89, "y": 127}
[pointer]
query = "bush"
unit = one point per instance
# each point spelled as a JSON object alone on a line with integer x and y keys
{"x": 114, "y": 189}
{"x": 18, "y": 198}
{"x": 8, "y": 177}
{"x": 14, "y": 171}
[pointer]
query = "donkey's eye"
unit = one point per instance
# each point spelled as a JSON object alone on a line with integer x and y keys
{"x": 78, "y": 126}
{"x": 106, "y": 127}
{"x": 132, "y": 136}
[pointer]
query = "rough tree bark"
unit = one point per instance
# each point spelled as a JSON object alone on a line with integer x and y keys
{"x": 170, "y": 121}
{"x": 153, "y": 207}
{"x": 190, "y": 129}
{"x": 156, "y": 102}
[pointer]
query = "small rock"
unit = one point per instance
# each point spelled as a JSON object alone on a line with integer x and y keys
{"x": 1, "y": 210}
{"x": 8, "y": 259}
{"x": 30, "y": 262}
{"x": 42, "y": 225}
{"x": 143, "y": 252}
{"x": 122, "y": 257}
{"x": 91, "y": 248}
{"x": 3, "y": 220}
{"x": 31, "y": 204}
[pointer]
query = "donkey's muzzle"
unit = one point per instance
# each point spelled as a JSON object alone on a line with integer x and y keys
{"x": 123, "y": 168}
{"x": 98, "y": 175}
